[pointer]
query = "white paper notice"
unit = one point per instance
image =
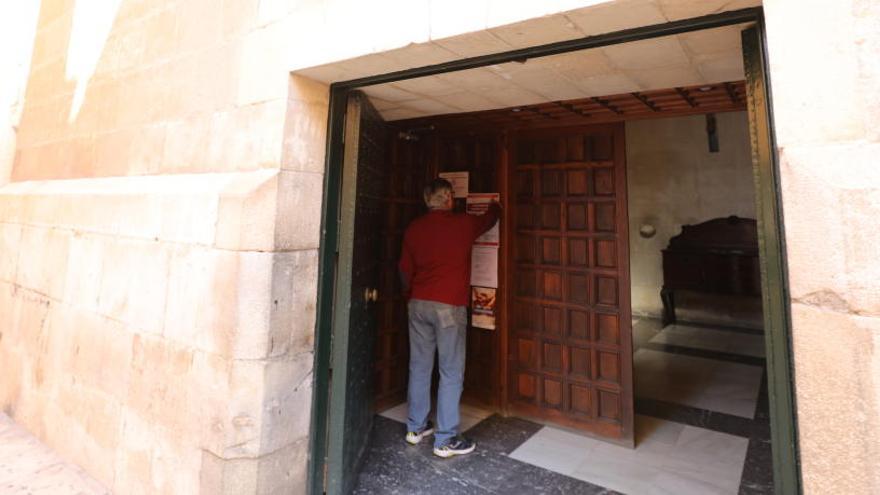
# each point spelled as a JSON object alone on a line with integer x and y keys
{"x": 484, "y": 266}
{"x": 478, "y": 204}
{"x": 459, "y": 181}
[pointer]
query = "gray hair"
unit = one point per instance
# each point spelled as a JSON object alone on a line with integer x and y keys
{"x": 437, "y": 193}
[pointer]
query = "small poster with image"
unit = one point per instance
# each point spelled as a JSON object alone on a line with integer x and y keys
{"x": 483, "y": 307}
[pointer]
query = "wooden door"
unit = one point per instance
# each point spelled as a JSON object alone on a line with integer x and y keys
{"x": 364, "y": 177}
{"x": 410, "y": 162}
{"x": 570, "y": 342}
{"x": 477, "y": 153}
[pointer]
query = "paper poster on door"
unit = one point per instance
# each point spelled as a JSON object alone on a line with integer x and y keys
{"x": 484, "y": 266}
{"x": 459, "y": 181}
{"x": 478, "y": 204}
{"x": 483, "y": 308}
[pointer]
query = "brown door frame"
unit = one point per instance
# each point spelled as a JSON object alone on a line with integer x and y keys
{"x": 786, "y": 465}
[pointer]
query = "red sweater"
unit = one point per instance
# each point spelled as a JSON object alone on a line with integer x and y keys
{"x": 436, "y": 257}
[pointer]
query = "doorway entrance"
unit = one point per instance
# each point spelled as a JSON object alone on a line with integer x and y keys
{"x": 570, "y": 289}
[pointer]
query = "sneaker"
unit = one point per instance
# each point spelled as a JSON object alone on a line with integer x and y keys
{"x": 456, "y": 446}
{"x": 414, "y": 437}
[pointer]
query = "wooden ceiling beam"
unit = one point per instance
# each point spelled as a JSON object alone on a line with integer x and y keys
{"x": 686, "y": 96}
{"x": 607, "y": 105}
{"x": 573, "y": 109}
{"x": 731, "y": 92}
{"x": 644, "y": 99}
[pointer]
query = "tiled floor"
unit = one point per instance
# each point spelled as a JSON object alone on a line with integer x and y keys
{"x": 710, "y": 339}
{"x": 710, "y": 384}
{"x": 27, "y": 466}
{"x": 669, "y": 458}
{"x": 702, "y": 427}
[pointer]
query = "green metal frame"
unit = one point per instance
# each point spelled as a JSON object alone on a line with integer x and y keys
{"x": 774, "y": 270}
{"x": 786, "y": 467}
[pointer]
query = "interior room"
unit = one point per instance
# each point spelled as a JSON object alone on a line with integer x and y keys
{"x": 627, "y": 351}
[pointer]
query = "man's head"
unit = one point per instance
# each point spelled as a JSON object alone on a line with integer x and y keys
{"x": 438, "y": 195}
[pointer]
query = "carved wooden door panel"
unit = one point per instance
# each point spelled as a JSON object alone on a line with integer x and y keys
{"x": 570, "y": 342}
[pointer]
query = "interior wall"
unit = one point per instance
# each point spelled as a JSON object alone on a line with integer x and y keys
{"x": 674, "y": 180}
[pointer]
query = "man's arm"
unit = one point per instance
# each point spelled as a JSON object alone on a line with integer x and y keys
{"x": 487, "y": 220}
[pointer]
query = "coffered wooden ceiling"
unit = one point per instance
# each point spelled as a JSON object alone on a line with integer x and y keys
{"x": 633, "y": 105}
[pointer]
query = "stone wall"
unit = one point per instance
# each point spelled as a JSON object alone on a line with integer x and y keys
{"x": 825, "y": 76}
{"x": 159, "y": 248}
{"x": 673, "y": 180}
{"x": 158, "y": 268}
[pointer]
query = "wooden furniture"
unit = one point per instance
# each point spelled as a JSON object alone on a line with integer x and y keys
{"x": 719, "y": 256}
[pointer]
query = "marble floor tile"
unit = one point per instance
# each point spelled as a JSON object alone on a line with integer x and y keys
{"x": 669, "y": 458}
{"x": 711, "y": 339}
{"x": 721, "y": 386}
{"x": 470, "y": 415}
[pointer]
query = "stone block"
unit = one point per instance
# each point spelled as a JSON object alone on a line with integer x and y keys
{"x": 471, "y": 44}
{"x": 447, "y": 19}
{"x": 247, "y": 212}
{"x": 154, "y": 459}
{"x": 10, "y": 237}
{"x": 836, "y": 364}
{"x": 676, "y": 10}
{"x": 199, "y": 24}
{"x": 298, "y": 220}
{"x": 186, "y": 144}
{"x": 136, "y": 295}
{"x": 306, "y": 90}
{"x": 608, "y": 17}
{"x": 286, "y": 414}
{"x": 133, "y": 464}
{"x": 282, "y": 471}
{"x": 503, "y": 12}
{"x": 262, "y": 75}
{"x": 241, "y": 436}
{"x": 202, "y": 298}
{"x": 42, "y": 259}
{"x": 305, "y": 136}
{"x": 538, "y": 31}
{"x": 253, "y": 304}
{"x": 84, "y": 424}
{"x": 247, "y": 137}
{"x": 294, "y": 302}
{"x": 239, "y": 17}
{"x": 830, "y": 196}
{"x": 84, "y": 274}
{"x": 158, "y": 387}
{"x": 806, "y": 65}
{"x": 99, "y": 351}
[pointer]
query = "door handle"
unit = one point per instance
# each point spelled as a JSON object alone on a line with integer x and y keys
{"x": 371, "y": 295}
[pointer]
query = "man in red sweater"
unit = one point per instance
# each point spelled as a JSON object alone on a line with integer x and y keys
{"x": 435, "y": 267}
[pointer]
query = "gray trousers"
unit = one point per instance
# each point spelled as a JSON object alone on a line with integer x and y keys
{"x": 434, "y": 327}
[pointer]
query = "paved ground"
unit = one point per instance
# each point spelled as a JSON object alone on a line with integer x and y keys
{"x": 27, "y": 466}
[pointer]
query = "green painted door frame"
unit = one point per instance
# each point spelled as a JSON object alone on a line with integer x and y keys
{"x": 786, "y": 467}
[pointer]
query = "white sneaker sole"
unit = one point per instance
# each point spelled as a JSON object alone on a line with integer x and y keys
{"x": 415, "y": 440}
{"x": 444, "y": 453}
